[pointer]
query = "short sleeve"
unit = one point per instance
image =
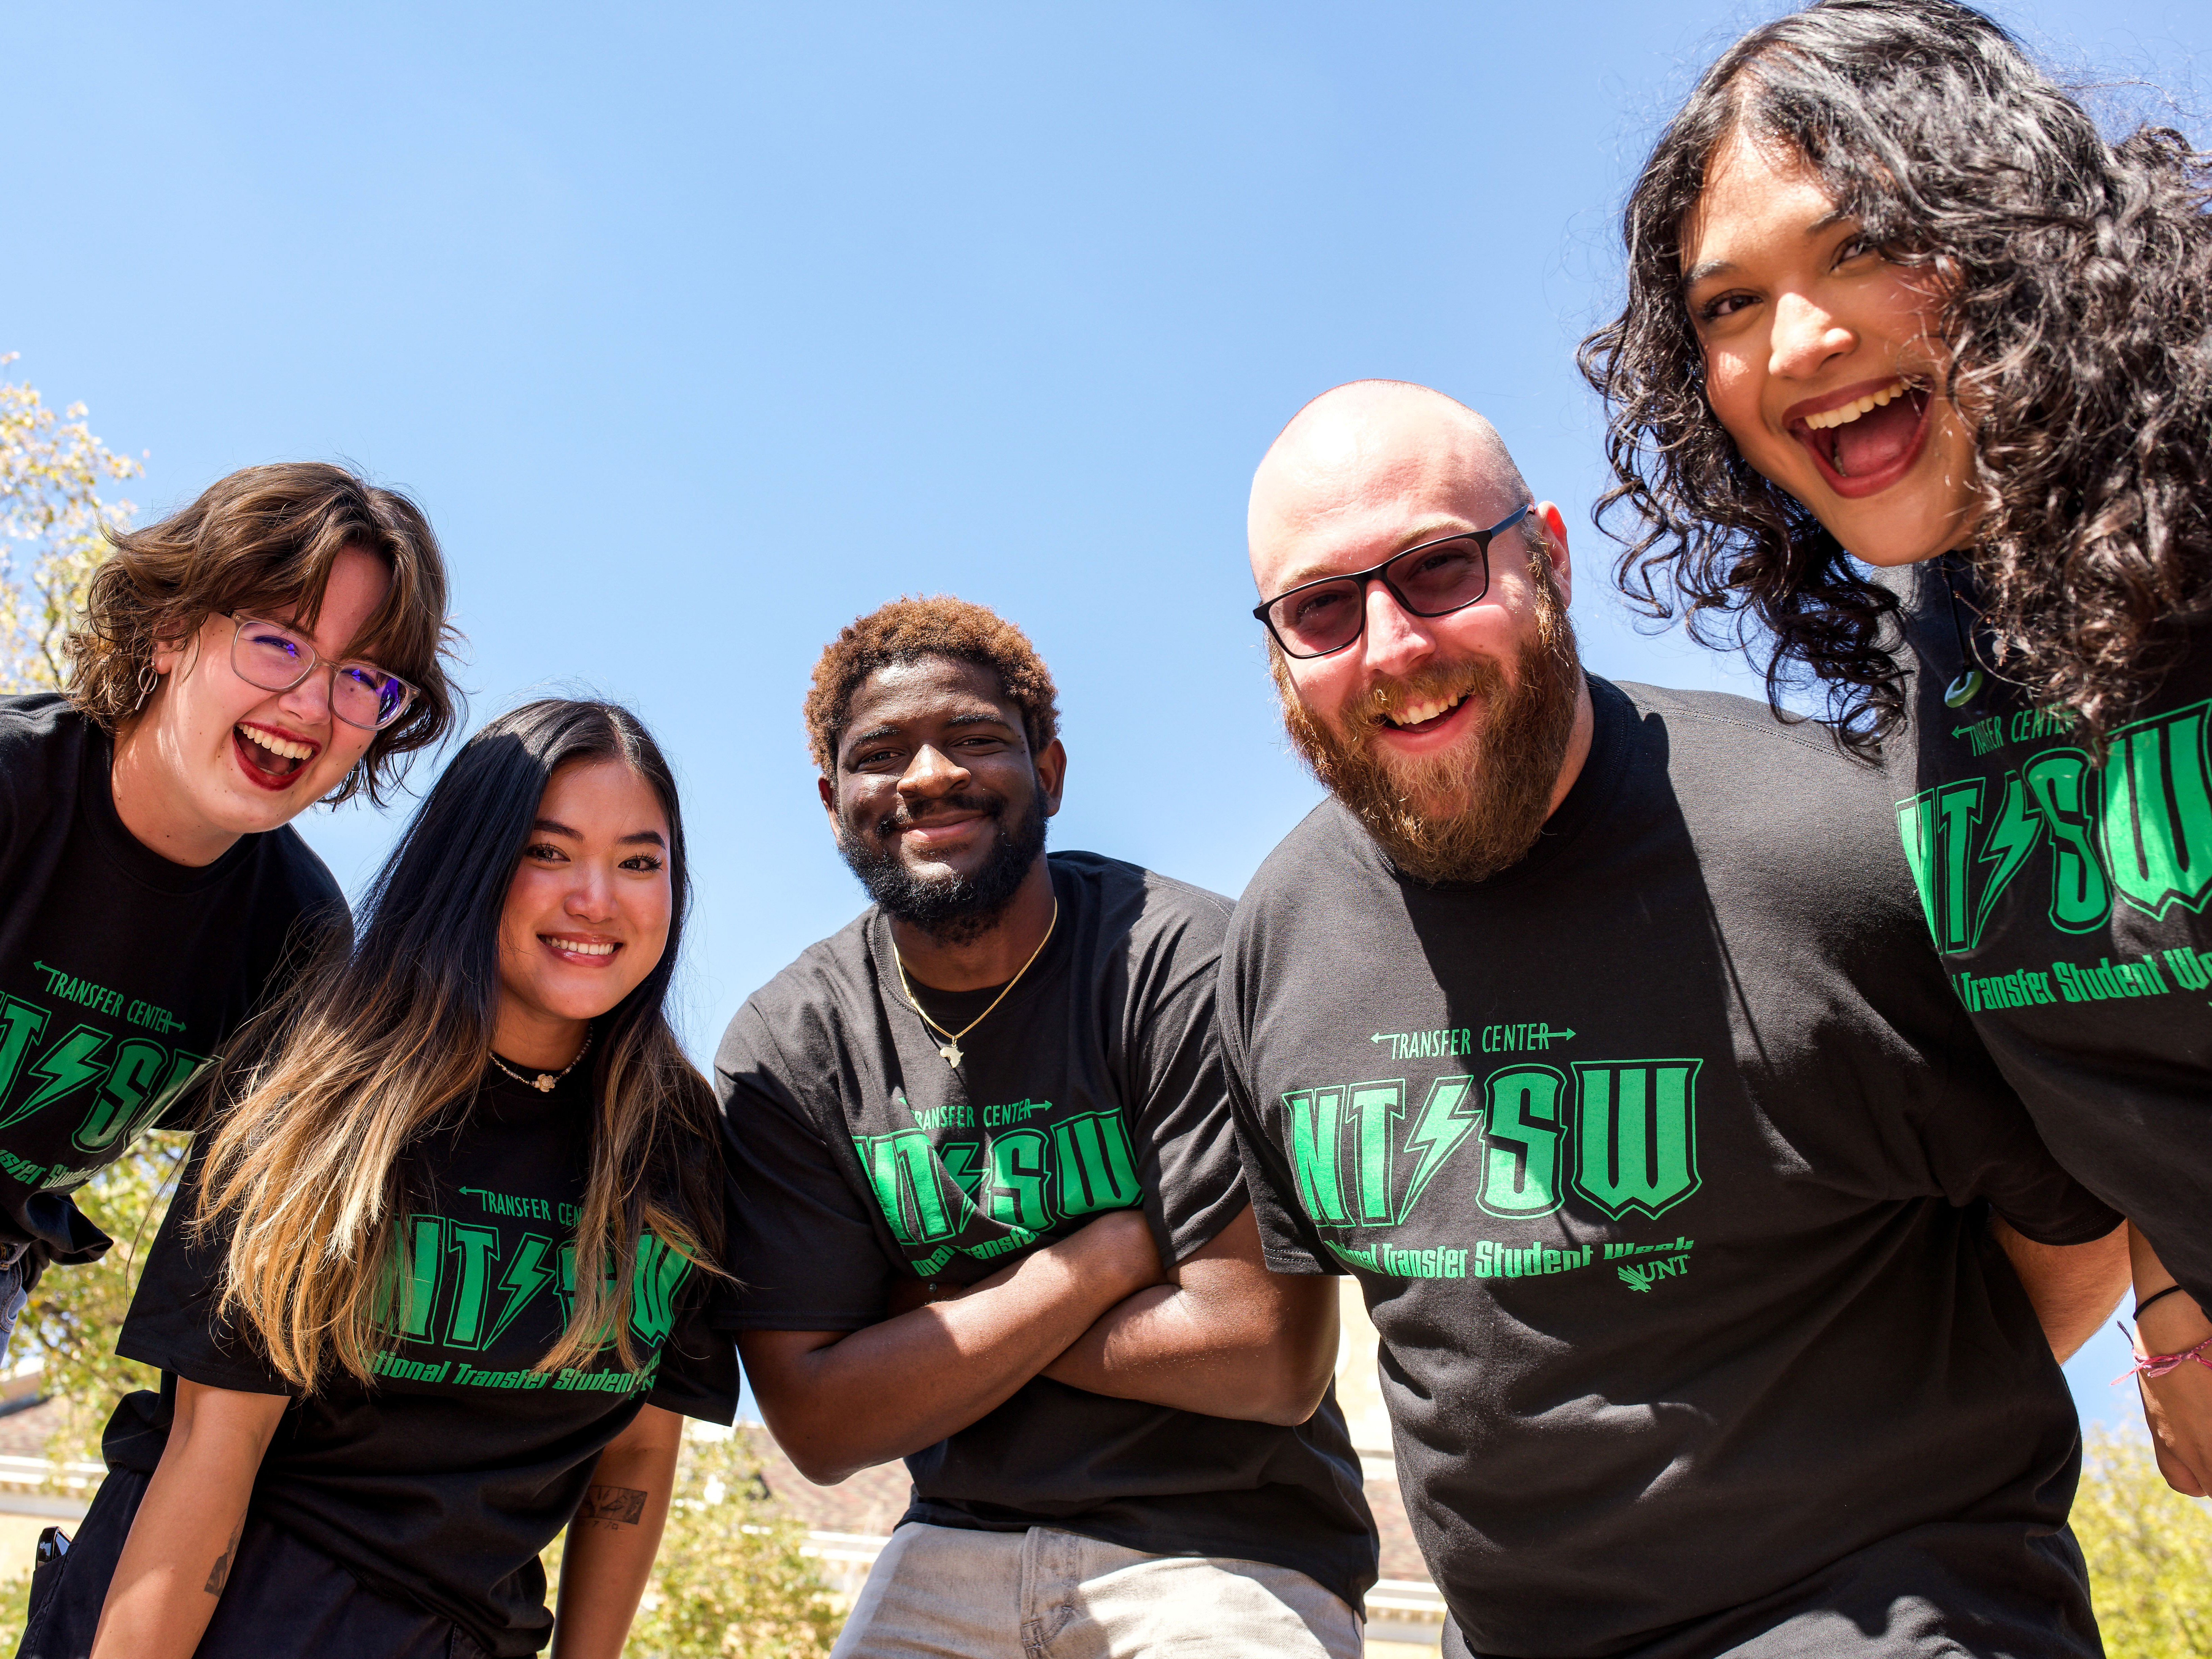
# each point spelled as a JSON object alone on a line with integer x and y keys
{"x": 172, "y": 1323}
{"x": 801, "y": 1240}
{"x": 698, "y": 1375}
{"x": 1186, "y": 1142}
{"x": 1287, "y": 1239}
{"x": 1980, "y": 1144}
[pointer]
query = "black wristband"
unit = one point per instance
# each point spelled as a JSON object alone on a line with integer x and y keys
{"x": 2154, "y": 1297}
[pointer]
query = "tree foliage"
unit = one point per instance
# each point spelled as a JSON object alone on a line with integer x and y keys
{"x": 2149, "y": 1551}
{"x": 731, "y": 1581}
{"x": 54, "y": 527}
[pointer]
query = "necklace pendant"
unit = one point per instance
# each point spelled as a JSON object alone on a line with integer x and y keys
{"x": 950, "y": 1051}
{"x": 544, "y": 1083}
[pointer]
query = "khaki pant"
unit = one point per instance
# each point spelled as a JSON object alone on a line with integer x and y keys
{"x": 954, "y": 1593}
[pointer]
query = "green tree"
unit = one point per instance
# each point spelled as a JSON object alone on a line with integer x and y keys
{"x": 732, "y": 1581}
{"x": 53, "y": 528}
{"x": 2149, "y": 1551}
{"x": 53, "y": 534}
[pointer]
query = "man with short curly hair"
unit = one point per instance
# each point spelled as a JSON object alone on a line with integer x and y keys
{"x": 986, "y": 1203}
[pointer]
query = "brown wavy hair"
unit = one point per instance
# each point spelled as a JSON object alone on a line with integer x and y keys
{"x": 385, "y": 1040}
{"x": 939, "y": 626}
{"x": 267, "y": 537}
{"x": 2078, "y": 276}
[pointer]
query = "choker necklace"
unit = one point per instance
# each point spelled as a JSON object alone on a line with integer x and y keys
{"x": 950, "y": 1047}
{"x": 544, "y": 1082}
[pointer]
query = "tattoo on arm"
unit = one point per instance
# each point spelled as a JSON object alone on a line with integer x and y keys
{"x": 612, "y": 1506}
{"x": 219, "y": 1574}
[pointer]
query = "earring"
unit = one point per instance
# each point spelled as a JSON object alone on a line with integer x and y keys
{"x": 148, "y": 679}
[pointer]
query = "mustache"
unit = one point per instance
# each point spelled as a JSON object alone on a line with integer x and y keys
{"x": 903, "y": 817}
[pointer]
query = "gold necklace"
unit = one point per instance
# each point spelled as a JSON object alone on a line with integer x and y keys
{"x": 545, "y": 1081}
{"x": 950, "y": 1047}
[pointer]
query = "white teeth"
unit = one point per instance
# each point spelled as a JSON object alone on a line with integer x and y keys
{"x": 580, "y": 947}
{"x": 277, "y": 746}
{"x": 1851, "y": 411}
{"x": 1417, "y": 714}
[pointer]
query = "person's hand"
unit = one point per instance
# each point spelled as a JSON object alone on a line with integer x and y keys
{"x": 2177, "y": 1406}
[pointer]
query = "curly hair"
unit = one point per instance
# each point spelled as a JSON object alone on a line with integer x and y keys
{"x": 939, "y": 626}
{"x": 267, "y": 537}
{"x": 2078, "y": 309}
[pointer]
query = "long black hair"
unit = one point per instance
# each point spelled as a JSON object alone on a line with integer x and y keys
{"x": 2078, "y": 277}
{"x": 388, "y": 1035}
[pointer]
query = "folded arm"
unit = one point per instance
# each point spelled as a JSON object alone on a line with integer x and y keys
{"x": 184, "y": 1540}
{"x": 2074, "y": 1287}
{"x": 1224, "y": 1336}
{"x": 2178, "y": 1405}
{"x": 839, "y": 1401}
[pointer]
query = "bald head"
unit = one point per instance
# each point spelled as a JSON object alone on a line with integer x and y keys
{"x": 1365, "y": 454}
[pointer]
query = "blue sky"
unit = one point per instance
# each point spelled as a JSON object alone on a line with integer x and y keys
{"x": 699, "y": 330}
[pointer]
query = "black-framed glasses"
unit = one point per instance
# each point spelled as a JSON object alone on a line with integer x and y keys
{"x": 277, "y": 657}
{"x": 1319, "y": 618}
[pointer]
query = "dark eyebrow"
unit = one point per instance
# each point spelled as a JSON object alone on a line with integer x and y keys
{"x": 891, "y": 729}
{"x": 1711, "y": 268}
{"x": 555, "y": 827}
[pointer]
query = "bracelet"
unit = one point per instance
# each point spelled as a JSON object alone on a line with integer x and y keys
{"x": 2155, "y": 1296}
{"x": 2158, "y": 1364}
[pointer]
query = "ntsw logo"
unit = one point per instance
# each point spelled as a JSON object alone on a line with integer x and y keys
{"x": 2138, "y": 829}
{"x": 456, "y": 1286}
{"x": 1622, "y": 1135}
{"x": 129, "y": 1082}
{"x": 1025, "y": 1179}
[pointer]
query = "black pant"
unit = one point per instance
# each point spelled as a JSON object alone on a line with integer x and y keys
{"x": 282, "y": 1599}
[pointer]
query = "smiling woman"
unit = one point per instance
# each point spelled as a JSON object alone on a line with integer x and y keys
{"x": 275, "y": 643}
{"x": 1894, "y": 301}
{"x": 439, "y": 1282}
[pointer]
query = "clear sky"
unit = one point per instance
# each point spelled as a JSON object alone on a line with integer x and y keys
{"x": 699, "y": 330}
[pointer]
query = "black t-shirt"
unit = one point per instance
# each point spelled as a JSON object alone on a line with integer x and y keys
{"x": 440, "y": 1484}
{"x": 859, "y": 1156}
{"x": 2072, "y": 905}
{"x": 119, "y": 971}
{"x": 1662, "y": 1160}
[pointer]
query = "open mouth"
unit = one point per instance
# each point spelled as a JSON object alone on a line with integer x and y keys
{"x": 1866, "y": 445}
{"x": 270, "y": 758}
{"x": 1425, "y": 714}
{"x": 585, "y": 952}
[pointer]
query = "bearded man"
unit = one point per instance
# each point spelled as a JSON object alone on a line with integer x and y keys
{"x": 988, "y": 1216}
{"x": 1720, "y": 1283}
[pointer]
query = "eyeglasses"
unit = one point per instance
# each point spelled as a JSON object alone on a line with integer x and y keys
{"x": 1319, "y": 618}
{"x": 277, "y": 657}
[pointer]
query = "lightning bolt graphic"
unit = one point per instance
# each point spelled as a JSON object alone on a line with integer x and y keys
{"x": 535, "y": 1267}
{"x": 2011, "y": 839}
{"x": 71, "y": 1064}
{"x": 1447, "y": 1115}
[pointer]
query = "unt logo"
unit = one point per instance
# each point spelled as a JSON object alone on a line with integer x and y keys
{"x": 1622, "y": 1136}
{"x": 2137, "y": 830}
{"x": 1642, "y": 1275}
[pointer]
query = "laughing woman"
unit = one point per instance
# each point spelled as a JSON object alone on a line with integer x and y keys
{"x": 437, "y": 1282}
{"x": 1894, "y": 302}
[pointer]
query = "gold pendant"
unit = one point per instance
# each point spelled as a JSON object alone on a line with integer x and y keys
{"x": 950, "y": 1051}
